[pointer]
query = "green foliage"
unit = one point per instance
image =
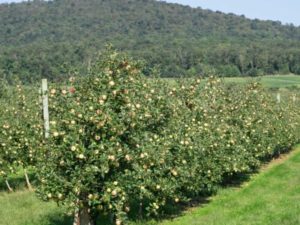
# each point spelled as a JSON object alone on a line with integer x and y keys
{"x": 254, "y": 72}
{"x": 228, "y": 71}
{"x": 120, "y": 140}
{"x": 21, "y": 130}
{"x": 40, "y": 36}
{"x": 3, "y": 88}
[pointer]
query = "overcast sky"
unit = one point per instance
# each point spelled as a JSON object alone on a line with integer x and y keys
{"x": 286, "y": 11}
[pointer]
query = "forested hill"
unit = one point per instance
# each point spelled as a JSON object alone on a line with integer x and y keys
{"x": 43, "y": 39}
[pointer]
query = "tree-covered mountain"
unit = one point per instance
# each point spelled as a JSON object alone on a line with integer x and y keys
{"x": 44, "y": 38}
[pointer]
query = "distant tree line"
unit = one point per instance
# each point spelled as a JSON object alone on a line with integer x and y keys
{"x": 45, "y": 39}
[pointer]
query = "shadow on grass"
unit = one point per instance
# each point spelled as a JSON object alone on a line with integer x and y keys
{"x": 57, "y": 219}
{"x": 168, "y": 212}
{"x": 137, "y": 215}
{"x": 236, "y": 180}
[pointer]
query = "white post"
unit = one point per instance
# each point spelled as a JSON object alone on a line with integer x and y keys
{"x": 45, "y": 107}
{"x": 294, "y": 98}
{"x": 40, "y": 98}
{"x": 278, "y": 97}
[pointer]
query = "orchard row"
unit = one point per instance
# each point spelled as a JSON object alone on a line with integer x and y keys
{"x": 119, "y": 140}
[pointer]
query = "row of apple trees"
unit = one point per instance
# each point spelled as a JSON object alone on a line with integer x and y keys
{"x": 121, "y": 143}
{"x": 20, "y": 131}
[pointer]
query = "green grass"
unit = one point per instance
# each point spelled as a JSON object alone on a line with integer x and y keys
{"x": 287, "y": 85}
{"x": 23, "y": 208}
{"x": 269, "y": 81}
{"x": 274, "y": 81}
{"x": 271, "y": 197}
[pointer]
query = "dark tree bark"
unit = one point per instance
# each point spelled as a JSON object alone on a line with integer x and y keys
{"x": 83, "y": 217}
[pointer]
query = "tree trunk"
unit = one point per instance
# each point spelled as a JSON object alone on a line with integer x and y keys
{"x": 8, "y": 186}
{"x": 83, "y": 217}
{"x": 76, "y": 218}
{"x": 27, "y": 180}
{"x": 112, "y": 218}
{"x": 141, "y": 210}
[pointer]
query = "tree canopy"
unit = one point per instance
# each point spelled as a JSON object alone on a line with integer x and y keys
{"x": 45, "y": 38}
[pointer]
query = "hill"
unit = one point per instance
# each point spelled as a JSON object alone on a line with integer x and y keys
{"x": 46, "y": 38}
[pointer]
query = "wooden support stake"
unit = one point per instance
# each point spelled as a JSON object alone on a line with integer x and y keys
{"x": 278, "y": 98}
{"x": 8, "y": 186}
{"x": 27, "y": 180}
{"x": 45, "y": 107}
{"x": 294, "y": 98}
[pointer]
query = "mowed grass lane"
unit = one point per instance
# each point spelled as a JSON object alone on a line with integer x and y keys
{"x": 270, "y": 198}
{"x": 268, "y": 81}
{"x": 271, "y": 81}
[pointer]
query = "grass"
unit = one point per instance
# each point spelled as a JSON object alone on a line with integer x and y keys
{"x": 272, "y": 81}
{"x": 287, "y": 85}
{"x": 23, "y": 208}
{"x": 271, "y": 197}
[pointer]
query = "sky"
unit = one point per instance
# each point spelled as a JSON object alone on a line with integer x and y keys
{"x": 286, "y": 11}
{"x": 5, "y": 1}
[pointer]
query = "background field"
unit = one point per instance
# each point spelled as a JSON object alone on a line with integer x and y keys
{"x": 270, "y": 81}
{"x": 278, "y": 81}
{"x": 287, "y": 85}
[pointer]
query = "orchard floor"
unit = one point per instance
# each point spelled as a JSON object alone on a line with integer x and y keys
{"x": 271, "y": 197}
